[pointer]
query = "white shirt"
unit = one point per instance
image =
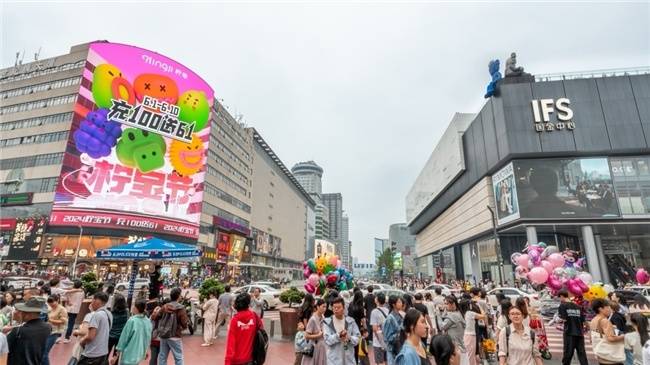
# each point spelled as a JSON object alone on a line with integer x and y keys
{"x": 4, "y": 347}
{"x": 339, "y": 324}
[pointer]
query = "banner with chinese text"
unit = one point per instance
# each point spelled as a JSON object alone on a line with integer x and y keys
{"x": 138, "y": 143}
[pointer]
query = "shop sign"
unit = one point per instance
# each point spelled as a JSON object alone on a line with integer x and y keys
{"x": 7, "y": 224}
{"x": 542, "y": 110}
{"x": 226, "y": 225}
{"x": 9, "y": 200}
{"x": 26, "y": 240}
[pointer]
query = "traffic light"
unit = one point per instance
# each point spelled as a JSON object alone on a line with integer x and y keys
{"x": 393, "y": 246}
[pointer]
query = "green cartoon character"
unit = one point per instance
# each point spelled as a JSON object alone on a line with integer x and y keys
{"x": 194, "y": 108}
{"x": 141, "y": 149}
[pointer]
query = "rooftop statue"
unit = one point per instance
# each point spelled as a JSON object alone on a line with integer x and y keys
{"x": 493, "y": 68}
{"x": 511, "y": 67}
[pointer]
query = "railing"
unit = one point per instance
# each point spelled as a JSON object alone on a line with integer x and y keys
{"x": 645, "y": 70}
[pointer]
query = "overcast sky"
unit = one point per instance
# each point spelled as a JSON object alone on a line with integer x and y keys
{"x": 365, "y": 90}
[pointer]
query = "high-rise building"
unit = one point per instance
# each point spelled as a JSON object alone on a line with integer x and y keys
{"x": 381, "y": 244}
{"x": 405, "y": 243}
{"x": 281, "y": 209}
{"x": 345, "y": 242}
{"x": 334, "y": 202}
{"x": 322, "y": 222}
{"x": 309, "y": 175}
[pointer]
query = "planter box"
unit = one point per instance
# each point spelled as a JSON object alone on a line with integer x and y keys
{"x": 289, "y": 321}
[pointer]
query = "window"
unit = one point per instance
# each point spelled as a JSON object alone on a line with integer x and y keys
{"x": 31, "y": 161}
{"x": 36, "y": 122}
{"x": 44, "y": 185}
{"x": 210, "y": 209}
{"x": 231, "y": 155}
{"x": 38, "y": 104}
{"x": 225, "y": 179}
{"x": 213, "y": 190}
{"x": 37, "y": 139}
{"x": 51, "y": 85}
{"x": 47, "y": 71}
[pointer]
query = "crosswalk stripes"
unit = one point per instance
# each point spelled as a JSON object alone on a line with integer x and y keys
{"x": 556, "y": 344}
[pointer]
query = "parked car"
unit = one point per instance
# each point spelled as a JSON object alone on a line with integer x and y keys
{"x": 630, "y": 292}
{"x": 379, "y": 286}
{"x": 139, "y": 284}
{"x": 272, "y": 284}
{"x": 271, "y": 296}
{"x": 446, "y": 289}
{"x": 389, "y": 292}
{"x": 513, "y": 294}
{"x": 19, "y": 282}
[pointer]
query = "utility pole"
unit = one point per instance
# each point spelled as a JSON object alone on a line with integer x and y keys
{"x": 497, "y": 244}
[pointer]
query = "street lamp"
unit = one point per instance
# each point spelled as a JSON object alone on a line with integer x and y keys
{"x": 76, "y": 253}
{"x": 497, "y": 244}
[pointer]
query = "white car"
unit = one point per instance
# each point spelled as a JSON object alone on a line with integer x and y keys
{"x": 20, "y": 282}
{"x": 376, "y": 286}
{"x": 138, "y": 285}
{"x": 271, "y": 296}
{"x": 641, "y": 289}
{"x": 268, "y": 283}
{"x": 446, "y": 289}
{"x": 513, "y": 294}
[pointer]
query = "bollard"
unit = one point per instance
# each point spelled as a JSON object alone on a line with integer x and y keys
{"x": 272, "y": 329}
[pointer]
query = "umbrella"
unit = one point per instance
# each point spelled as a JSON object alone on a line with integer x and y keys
{"x": 152, "y": 248}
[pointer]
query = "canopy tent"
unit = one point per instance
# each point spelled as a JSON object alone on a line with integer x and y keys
{"x": 152, "y": 248}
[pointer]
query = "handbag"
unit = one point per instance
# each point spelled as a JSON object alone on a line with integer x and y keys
{"x": 608, "y": 351}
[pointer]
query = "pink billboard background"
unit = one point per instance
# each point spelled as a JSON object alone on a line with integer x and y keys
{"x": 135, "y": 158}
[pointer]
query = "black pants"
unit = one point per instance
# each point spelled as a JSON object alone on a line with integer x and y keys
{"x": 102, "y": 360}
{"x": 576, "y": 343}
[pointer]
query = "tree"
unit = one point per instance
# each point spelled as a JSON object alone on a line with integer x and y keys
{"x": 385, "y": 260}
{"x": 292, "y": 295}
{"x": 210, "y": 286}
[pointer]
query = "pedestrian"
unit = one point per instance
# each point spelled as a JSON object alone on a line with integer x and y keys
{"x": 357, "y": 311}
{"x": 58, "y": 319}
{"x": 225, "y": 310}
{"x": 525, "y": 310}
{"x": 617, "y": 318}
{"x": 637, "y": 339}
{"x": 377, "y": 319}
{"x": 471, "y": 337}
{"x": 419, "y": 305}
{"x": 27, "y": 342}
{"x": 431, "y": 310}
{"x": 241, "y": 332}
{"x": 369, "y": 304}
{"x": 110, "y": 290}
{"x": 392, "y": 326}
{"x": 573, "y": 336}
{"x": 95, "y": 342}
{"x": 453, "y": 324}
{"x": 74, "y": 297}
{"x": 517, "y": 345}
{"x": 603, "y": 330}
{"x": 306, "y": 309}
{"x": 412, "y": 350}
{"x": 120, "y": 316}
{"x": 257, "y": 303}
{"x": 172, "y": 321}
{"x": 8, "y": 310}
{"x": 314, "y": 334}
{"x": 444, "y": 351}
{"x": 614, "y": 298}
{"x": 300, "y": 343}
{"x": 503, "y": 321}
{"x": 135, "y": 338}
{"x": 341, "y": 335}
{"x": 640, "y": 304}
{"x": 154, "y": 347}
{"x": 210, "y": 310}
{"x": 363, "y": 359}
{"x": 4, "y": 349}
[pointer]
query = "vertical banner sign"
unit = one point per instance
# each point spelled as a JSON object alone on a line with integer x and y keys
{"x": 138, "y": 143}
{"x": 223, "y": 247}
{"x": 237, "y": 249}
{"x": 26, "y": 241}
{"x": 505, "y": 195}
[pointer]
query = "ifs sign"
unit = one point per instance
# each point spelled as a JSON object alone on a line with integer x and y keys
{"x": 542, "y": 110}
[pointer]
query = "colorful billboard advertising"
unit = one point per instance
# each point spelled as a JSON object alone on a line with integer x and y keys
{"x": 25, "y": 244}
{"x": 505, "y": 195}
{"x": 223, "y": 246}
{"x": 138, "y": 143}
{"x": 324, "y": 247}
{"x": 565, "y": 188}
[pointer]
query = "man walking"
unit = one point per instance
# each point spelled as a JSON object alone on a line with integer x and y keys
{"x": 95, "y": 342}
{"x": 225, "y": 310}
{"x": 257, "y": 303}
{"x": 27, "y": 342}
{"x": 341, "y": 335}
{"x": 172, "y": 320}
{"x": 573, "y": 336}
{"x": 377, "y": 318}
{"x": 369, "y": 304}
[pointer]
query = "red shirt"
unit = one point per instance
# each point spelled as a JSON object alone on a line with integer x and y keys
{"x": 241, "y": 335}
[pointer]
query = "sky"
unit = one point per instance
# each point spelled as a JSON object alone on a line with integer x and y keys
{"x": 364, "y": 89}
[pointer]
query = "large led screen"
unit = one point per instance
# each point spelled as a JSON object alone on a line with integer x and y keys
{"x": 565, "y": 188}
{"x": 138, "y": 142}
{"x": 505, "y": 194}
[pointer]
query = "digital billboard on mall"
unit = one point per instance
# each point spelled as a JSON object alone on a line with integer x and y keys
{"x": 137, "y": 147}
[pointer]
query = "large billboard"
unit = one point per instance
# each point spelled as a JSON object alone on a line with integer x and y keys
{"x": 565, "y": 188}
{"x": 505, "y": 195}
{"x": 138, "y": 143}
{"x": 324, "y": 247}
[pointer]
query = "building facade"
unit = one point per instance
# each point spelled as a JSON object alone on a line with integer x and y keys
{"x": 560, "y": 160}
{"x": 345, "y": 257}
{"x": 309, "y": 175}
{"x": 334, "y": 204}
{"x": 400, "y": 237}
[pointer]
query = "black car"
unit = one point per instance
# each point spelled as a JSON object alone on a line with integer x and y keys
{"x": 626, "y": 296}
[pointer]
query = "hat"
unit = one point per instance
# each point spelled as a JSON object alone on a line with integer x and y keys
{"x": 33, "y": 305}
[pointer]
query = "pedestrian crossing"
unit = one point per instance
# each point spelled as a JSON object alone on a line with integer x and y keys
{"x": 556, "y": 344}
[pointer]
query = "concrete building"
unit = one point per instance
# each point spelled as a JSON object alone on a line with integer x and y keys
{"x": 334, "y": 203}
{"x": 405, "y": 243}
{"x": 322, "y": 222}
{"x": 309, "y": 175}
{"x": 560, "y": 159}
{"x": 345, "y": 257}
{"x": 282, "y": 209}
{"x": 362, "y": 270}
{"x": 381, "y": 244}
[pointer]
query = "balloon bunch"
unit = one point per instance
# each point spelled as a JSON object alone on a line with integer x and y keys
{"x": 326, "y": 272}
{"x": 642, "y": 276}
{"x": 542, "y": 264}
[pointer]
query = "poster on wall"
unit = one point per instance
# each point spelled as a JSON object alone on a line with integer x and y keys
{"x": 324, "y": 247}
{"x": 26, "y": 240}
{"x": 565, "y": 188}
{"x": 505, "y": 195}
{"x": 223, "y": 246}
{"x": 137, "y": 147}
{"x": 237, "y": 248}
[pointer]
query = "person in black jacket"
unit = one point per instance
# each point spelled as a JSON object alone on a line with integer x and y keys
{"x": 574, "y": 319}
{"x": 369, "y": 303}
{"x": 27, "y": 342}
{"x": 617, "y": 318}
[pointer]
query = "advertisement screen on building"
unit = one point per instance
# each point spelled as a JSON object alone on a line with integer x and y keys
{"x": 237, "y": 248}
{"x": 223, "y": 246}
{"x": 505, "y": 195}
{"x": 323, "y": 247}
{"x": 25, "y": 243}
{"x": 632, "y": 184}
{"x": 565, "y": 188}
{"x": 137, "y": 147}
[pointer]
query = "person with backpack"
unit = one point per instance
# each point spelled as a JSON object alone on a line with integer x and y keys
{"x": 95, "y": 342}
{"x": 573, "y": 337}
{"x": 377, "y": 318}
{"x": 135, "y": 338}
{"x": 120, "y": 316}
{"x": 172, "y": 321}
{"x": 242, "y": 333}
{"x": 341, "y": 335}
{"x": 392, "y": 327}
{"x": 517, "y": 345}
{"x": 453, "y": 324}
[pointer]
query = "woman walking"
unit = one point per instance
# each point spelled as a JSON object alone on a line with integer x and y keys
{"x": 132, "y": 347}
{"x": 120, "y": 316}
{"x": 357, "y": 311}
{"x": 74, "y": 297}
{"x": 306, "y": 309}
{"x": 470, "y": 338}
{"x": 634, "y": 341}
{"x": 453, "y": 324}
{"x": 517, "y": 345}
{"x": 314, "y": 334}
{"x": 391, "y": 328}
{"x": 414, "y": 329}
{"x": 57, "y": 318}
{"x": 210, "y": 311}
{"x": 603, "y": 330}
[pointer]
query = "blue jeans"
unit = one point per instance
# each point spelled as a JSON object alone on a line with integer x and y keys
{"x": 72, "y": 317}
{"x": 51, "y": 339}
{"x": 390, "y": 357}
{"x": 176, "y": 347}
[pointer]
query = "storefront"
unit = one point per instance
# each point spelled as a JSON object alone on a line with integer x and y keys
{"x": 562, "y": 162}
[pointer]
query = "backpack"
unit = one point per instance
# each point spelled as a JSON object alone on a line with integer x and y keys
{"x": 532, "y": 336}
{"x": 167, "y": 325}
{"x": 260, "y": 344}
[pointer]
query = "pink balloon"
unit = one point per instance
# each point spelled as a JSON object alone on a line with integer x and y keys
{"x": 584, "y": 287}
{"x": 538, "y": 275}
{"x": 574, "y": 288}
{"x": 534, "y": 257}
{"x": 521, "y": 272}
{"x": 306, "y": 272}
{"x": 310, "y": 288}
{"x": 554, "y": 283}
{"x": 523, "y": 260}
{"x": 642, "y": 276}
{"x": 585, "y": 277}
{"x": 313, "y": 279}
{"x": 556, "y": 259}
{"x": 548, "y": 267}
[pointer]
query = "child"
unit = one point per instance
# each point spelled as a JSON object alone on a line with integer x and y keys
{"x": 363, "y": 347}
{"x": 299, "y": 343}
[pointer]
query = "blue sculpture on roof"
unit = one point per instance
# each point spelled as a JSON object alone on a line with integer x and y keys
{"x": 493, "y": 67}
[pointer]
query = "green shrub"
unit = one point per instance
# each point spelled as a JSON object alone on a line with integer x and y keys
{"x": 291, "y": 295}
{"x": 90, "y": 283}
{"x": 210, "y": 286}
